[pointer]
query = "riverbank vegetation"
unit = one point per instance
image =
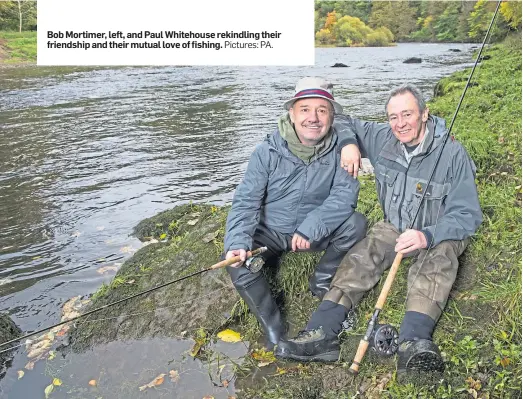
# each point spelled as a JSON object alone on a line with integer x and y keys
{"x": 380, "y": 23}
{"x": 16, "y": 47}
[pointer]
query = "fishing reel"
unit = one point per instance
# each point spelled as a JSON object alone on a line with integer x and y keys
{"x": 254, "y": 264}
{"x": 384, "y": 340}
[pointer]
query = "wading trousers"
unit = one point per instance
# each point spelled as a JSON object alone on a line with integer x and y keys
{"x": 430, "y": 278}
{"x": 255, "y": 290}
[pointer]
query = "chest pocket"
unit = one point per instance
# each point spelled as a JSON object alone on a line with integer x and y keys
{"x": 433, "y": 205}
{"x": 388, "y": 188}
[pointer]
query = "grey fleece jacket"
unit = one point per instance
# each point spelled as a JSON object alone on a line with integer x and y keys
{"x": 450, "y": 210}
{"x": 288, "y": 195}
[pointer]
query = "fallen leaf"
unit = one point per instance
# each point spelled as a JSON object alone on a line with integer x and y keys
{"x": 162, "y": 236}
{"x": 229, "y": 336}
{"x": 92, "y": 383}
{"x": 505, "y": 361}
{"x": 192, "y": 222}
{"x": 231, "y": 397}
{"x": 30, "y": 366}
{"x": 263, "y": 356}
{"x": 225, "y": 383}
{"x": 174, "y": 375}
{"x": 127, "y": 249}
{"x": 209, "y": 237}
{"x": 196, "y": 347}
{"x": 52, "y": 355}
{"x": 57, "y": 382}
{"x": 48, "y": 390}
{"x": 20, "y": 374}
{"x": 208, "y": 397}
{"x": 104, "y": 269}
{"x": 63, "y": 331}
{"x": 280, "y": 371}
{"x": 263, "y": 364}
{"x": 157, "y": 381}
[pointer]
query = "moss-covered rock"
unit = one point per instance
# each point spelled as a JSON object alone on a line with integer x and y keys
{"x": 8, "y": 331}
{"x": 192, "y": 240}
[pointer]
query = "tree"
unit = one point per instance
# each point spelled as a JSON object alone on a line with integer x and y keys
{"x": 398, "y": 16}
{"x": 446, "y": 26}
{"x": 511, "y": 11}
{"x": 17, "y": 15}
{"x": 350, "y": 30}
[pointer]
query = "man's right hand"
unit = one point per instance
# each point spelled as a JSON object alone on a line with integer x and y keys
{"x": 242, "y": 253}
{"x": 351, "y": 159}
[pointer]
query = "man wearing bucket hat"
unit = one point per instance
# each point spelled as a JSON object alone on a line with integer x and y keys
{"x": 294, "y": 197}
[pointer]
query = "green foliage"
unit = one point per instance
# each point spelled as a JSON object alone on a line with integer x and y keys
{"x": 425, "y": 21}
{"x": 350, "y": 30}
{"x": 10, "y": 15}
{"x": 511, "y": 11}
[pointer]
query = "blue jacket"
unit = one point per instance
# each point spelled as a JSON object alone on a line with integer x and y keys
{"x": 288, "y": 195}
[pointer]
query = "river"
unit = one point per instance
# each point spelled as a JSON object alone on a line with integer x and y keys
{"x": 86, "y": 153}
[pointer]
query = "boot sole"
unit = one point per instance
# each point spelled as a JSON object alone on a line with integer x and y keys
{"x": 327, "y": 357}
{"x": 427, "y": 361}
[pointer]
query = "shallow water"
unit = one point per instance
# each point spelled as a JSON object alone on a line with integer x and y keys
{"x": 85, "y": 154}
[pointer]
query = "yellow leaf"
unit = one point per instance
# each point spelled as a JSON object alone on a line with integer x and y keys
{"x": 92, "y": 383}
{"x": 263, "y": 356}
{"x": 505, "y": 361}
{"x": 52, "y": 355}
{"x": 162, "y": 236}
{"x": 208, "y": 397}
{"x": 229, "y": 336}
{"x": 48, "y": 390}
{"x": 57, "y": 382}
{"x": 20, "y": 374}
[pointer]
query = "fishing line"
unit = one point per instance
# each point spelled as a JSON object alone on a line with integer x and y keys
{"x": 218, "y": 265}
{"x": 487, "y": 36}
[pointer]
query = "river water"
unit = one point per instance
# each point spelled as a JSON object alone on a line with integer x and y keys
{"x": 86, "y": 153}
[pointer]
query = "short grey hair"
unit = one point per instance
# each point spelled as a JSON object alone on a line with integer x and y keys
{"x": 407, "y": 88}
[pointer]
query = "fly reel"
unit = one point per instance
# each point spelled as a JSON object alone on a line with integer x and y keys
{"x": 384, "y": 340}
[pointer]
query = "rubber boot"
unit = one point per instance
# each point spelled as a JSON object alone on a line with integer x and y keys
{"x": 320, "y": 281}
{"x": 256, "y": 292}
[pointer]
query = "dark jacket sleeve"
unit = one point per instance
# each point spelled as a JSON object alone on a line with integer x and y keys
{"x": 337, "y": 207}
{"x": 370, "y": 136}
{"x": 246, "y": 204}
{"x": 462, "y": 215}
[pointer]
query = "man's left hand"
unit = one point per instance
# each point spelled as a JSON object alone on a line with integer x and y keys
{"x": 409, "y": 241}
{"x": 298, "y": 242}
{"x": 351, "y": 159}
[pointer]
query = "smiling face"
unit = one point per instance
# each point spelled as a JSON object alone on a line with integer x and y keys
{"x": 407, "y": 121}
{"x": 312, "y": 118}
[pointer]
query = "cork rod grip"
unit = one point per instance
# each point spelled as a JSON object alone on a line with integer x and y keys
{"x": 228, "y": 262}
{"x": 362, "y": 348}
{"x": 388, "y": 282}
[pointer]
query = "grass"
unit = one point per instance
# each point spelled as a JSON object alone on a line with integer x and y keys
{"x": 19, "y": 47}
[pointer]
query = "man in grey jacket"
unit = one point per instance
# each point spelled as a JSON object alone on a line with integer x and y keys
{"x": 403, "y": 153}
{"x": 294, "y": 196}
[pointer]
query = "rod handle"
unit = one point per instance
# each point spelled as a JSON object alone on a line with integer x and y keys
{"x": 362, "y": 349}
{"x": 230, "y": 261}
{"x": 388, "y": 282}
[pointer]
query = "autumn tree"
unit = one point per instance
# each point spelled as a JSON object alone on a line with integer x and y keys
{"x": 398, "y": 16}
{"x": 511, "y": 11}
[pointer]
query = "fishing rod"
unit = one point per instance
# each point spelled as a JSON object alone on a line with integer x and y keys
{"x": 385, "y": 335}
{"x": 223, "y": 263}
